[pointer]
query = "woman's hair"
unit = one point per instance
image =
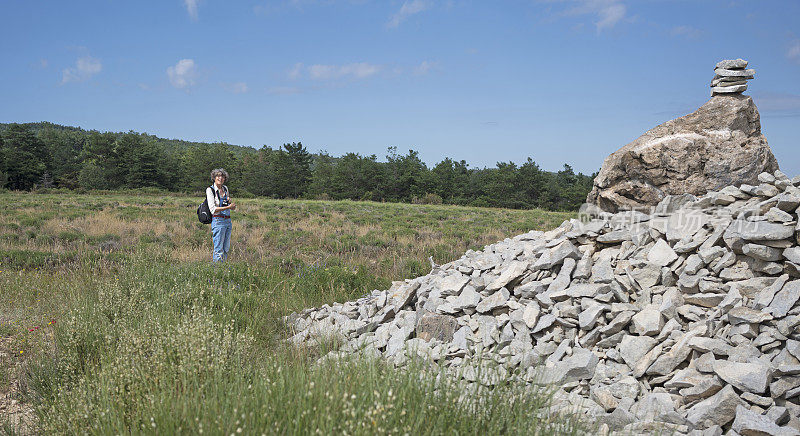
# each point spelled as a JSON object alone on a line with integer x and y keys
{"x": 219, "y": 172}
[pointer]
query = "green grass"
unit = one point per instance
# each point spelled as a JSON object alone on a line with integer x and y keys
{"x": 150, "y": 337}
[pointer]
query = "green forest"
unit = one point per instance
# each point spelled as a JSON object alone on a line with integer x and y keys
{"x": 36, "y": 156}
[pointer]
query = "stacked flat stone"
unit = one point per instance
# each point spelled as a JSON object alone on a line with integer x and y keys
{"x": 731, "y": 77}
{"x": 685, "y": 320}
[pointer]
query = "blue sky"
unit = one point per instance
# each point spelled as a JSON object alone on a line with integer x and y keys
{"x": 566, "y": 81}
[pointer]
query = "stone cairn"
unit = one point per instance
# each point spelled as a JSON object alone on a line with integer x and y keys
{"x": 730, "y": 77}
{"x": 681, "y": 320}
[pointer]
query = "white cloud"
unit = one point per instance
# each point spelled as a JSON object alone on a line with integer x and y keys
{"x": 191, "y": 8}
{"x": 237, "y": 88}
{"x": 794, "y": 51}
{"x": 182, "y": 74}
{"x": 607, "y": 12}
{"x": 408, "y": 9}
{"x": 85, "y": 67}
{"x": 610, "y": 15}
{"x": 359, "y": 70}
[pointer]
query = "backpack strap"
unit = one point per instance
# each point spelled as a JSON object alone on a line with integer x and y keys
{"x": 216, "y": 193}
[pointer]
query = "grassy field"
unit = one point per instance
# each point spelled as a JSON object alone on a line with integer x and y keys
{"x": 113, "y": 320}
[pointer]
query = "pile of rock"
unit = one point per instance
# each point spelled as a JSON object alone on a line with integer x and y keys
{"x": 731, "y": 77}
{"x": 682, "y": 319}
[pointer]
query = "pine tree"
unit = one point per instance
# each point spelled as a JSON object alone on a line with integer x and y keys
{"x": 26, "y": 157}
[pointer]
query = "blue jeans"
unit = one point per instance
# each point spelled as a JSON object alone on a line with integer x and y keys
{"x": 221, "y": 234}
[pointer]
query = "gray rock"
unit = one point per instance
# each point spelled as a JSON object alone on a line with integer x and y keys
{"x": 602, "y": 272}
{"x": 696, "y": 160}
{"x": 563, "y": 251}
{"x": 531, "y": 314}
{"x": 776, "y": 215}
{"x": 757, "y": 399}
{"x": 765, "y": 297}
{"x": 439, "y": 327}
{"x": 654, "y": 405}
{"x": 618, "y": 419}
{"x": 404, "y": 295}
{"x": 723, "y": 82}
{"x": 460, "y": 338}
{"x": 732, "y": 64}
{"x": 719, "y": 409}
{"x": 785, "y": 299}
{"x": 789, "y": 201}
{"x": 751, "y": 377}
{"x": 728, "y": 89}
{"x": 739, "y": 315}
{"x": 619, "y": 322}
{"x": 588, "y": 290}
{"x": 583, "y": 269}
{"x": 748, "y": 423}
{"x": 661, "y": 253}
{"x": 731, "y": 300}
{"x": 633, "y": 348}
{"x": 647, "y": 275}
{"x": 704, "y": 300}
{"x": 778, "y": 414}
{"x": 762, "y": 252}
{"x": 671, "y": 203}
{"x": 544, "y": 322}
{"x": 602, "y": 396}
{"x": 529, "y": 290}
{"x": 694, "y": 263}
{"x": 588, "y": 318}
{"x": 493, "y": 301}
{"x": 644, "y": 363}
{"x": 762, "y": 230}
{"x": 734, "y": 73}
{"x": 685, "y": 378}
{"x": 792, "y": 254}
{"x": 648, "y": 322}
{"x": 708, "y": 255}
{"x": 670, "y": 360}
{"x": 513, "y": 272}
{"x": 736, "y": 272}
{"x": 615, "y": 237}
{"x": 579, "y": 366}
{"x": 705, "y": 388}
{"x": 397, "y": 339}
{"x": 563, "y": 279}
{"x": 781, "y": 385}
{"x": 717, "y": 346}
{"x": 765, "y": 190}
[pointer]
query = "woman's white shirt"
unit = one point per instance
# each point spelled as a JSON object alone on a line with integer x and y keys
{"x": 212, "y": 198}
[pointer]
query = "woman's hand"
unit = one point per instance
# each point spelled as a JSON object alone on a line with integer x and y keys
{"x": 232, "y": 206}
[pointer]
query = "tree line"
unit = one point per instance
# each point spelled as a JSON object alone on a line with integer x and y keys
{"x": 46, "y": 155}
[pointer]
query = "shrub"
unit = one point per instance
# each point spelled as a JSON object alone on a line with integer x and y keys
{"x": 428, "y": 198}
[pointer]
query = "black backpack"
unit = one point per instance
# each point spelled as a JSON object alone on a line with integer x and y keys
{"x": 203, "y": 212}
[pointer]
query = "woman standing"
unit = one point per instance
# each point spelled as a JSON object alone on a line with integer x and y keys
{"x": 221, "y": 205}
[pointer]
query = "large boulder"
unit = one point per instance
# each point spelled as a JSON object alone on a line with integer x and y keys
{"x": 718, "y": 145}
